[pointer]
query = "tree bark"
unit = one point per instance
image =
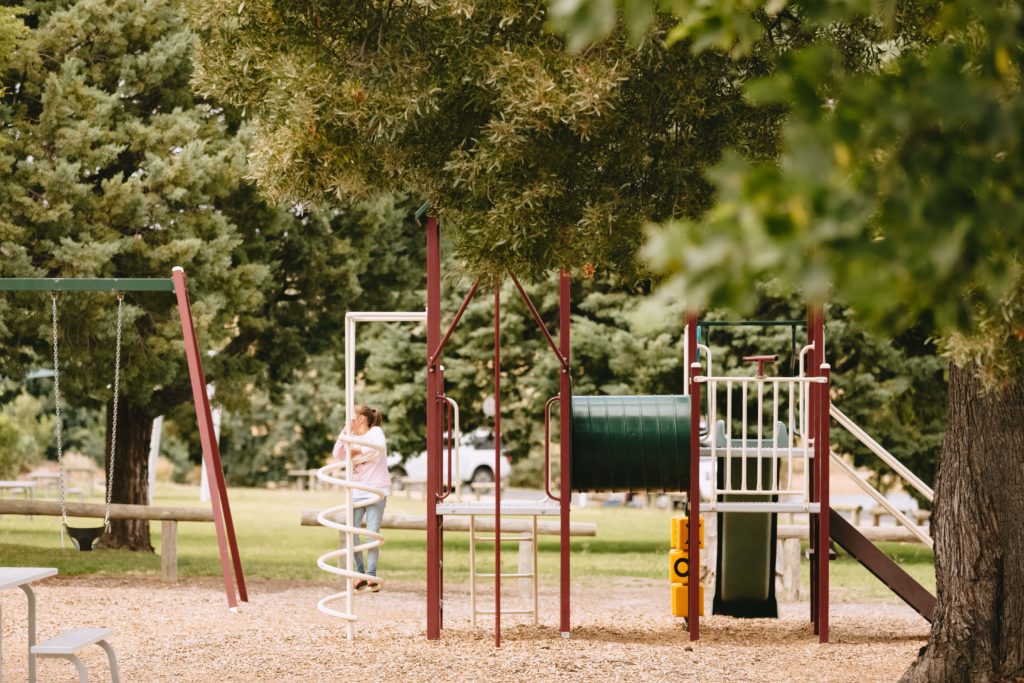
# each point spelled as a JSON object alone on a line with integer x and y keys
{"x": 131, "y": 475}
{"x": 978, "y": 526}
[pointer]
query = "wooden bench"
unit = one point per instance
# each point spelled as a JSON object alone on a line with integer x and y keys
{"x": 167, "y": 516}
{"x": 919, "y": 516}
{"x": 461, "y": 523}
{"x": 67, "y": 644}
{"x": 790, "y": 535}
{"x": 304, "y": 478}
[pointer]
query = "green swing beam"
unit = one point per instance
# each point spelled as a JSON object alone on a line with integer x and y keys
{"x": 86, "y": 284}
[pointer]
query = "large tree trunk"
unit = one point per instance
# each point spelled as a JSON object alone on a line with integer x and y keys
{"x": 131, "y": 475}
{"x": 978, "y": 524}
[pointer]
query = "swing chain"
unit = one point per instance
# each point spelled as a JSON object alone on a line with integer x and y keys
{"x": 113, "y": 417}
{"x": 58, "y": 421}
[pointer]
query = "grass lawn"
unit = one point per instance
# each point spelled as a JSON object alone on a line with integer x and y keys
{"x": 630, "y": 542}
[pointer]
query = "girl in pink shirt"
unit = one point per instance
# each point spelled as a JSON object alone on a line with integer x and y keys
{"x": 365, "y": 425}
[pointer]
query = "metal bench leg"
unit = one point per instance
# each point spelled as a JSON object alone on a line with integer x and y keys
{"x": 115, "y": 676}
{"x": 83, "y": 675}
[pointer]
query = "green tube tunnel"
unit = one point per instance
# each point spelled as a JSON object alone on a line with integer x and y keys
{"x": 630, "y": 443}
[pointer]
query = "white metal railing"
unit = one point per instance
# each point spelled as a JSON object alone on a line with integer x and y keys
{"x": 883, "y": 501}
{"x": 773, "y": 428}
{"x": 886, "y": 457}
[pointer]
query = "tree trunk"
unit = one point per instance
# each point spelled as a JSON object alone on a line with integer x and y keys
{"x": 978, "y": 525}
{"x": 131, "y": 475}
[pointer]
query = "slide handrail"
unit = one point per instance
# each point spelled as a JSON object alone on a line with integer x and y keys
{"x": 876, "y": 448}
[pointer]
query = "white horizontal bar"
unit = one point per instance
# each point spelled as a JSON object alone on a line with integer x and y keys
{"x": 751, "y": 452}
{"x": 507, "y": 611}
{"x": 506, "y": 576}
{"x": 386, "y": 316}
{"x": 761, "y": 492}
{"x": 504, "y": 539}
{"x": 508, "y": 508}
{"x": 813, "y": 508}
{"x": 747, "y": 379}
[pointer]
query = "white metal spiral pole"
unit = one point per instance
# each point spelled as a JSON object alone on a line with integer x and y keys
{"x": 332, "y": 474}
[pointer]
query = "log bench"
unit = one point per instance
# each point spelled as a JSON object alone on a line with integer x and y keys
{"x": 167, "y": 516}
{"x": 790, "y": 535}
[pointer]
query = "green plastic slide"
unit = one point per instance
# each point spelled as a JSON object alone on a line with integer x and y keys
{"x": 745, "y": 578}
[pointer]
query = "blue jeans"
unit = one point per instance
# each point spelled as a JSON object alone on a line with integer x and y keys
{"x": 373, "y": 515}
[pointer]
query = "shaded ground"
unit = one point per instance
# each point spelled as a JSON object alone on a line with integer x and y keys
{"x": 621, "y": 631}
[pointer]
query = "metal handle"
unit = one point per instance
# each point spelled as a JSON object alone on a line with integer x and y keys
{"x": 547, "y": 449}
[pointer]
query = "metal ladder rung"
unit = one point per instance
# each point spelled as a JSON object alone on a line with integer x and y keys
{"x": 506, "y": 576}
{"x": 506, "y": 611}
{"x": 504, "y": 539}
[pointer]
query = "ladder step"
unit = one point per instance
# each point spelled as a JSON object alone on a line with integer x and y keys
{"x": 506, "y": 611}
{"x": 70, "y": 642}
{"x": 506, "y": 576}
{"x": 504, "y": 539}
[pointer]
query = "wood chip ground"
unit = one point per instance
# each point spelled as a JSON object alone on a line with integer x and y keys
{"x": 622, "y": 631}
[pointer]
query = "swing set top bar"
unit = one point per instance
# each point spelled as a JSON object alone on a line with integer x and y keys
{"x": 87, "y": 284}
{"x": 752, "y": 323}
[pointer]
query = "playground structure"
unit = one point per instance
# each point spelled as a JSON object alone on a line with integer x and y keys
{"x": 765, "y": 436}
{"x": 231, "y": 566}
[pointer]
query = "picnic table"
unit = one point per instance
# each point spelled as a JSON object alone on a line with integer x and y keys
{"x": 22, "y": 577}
{"x": 23, "y": 487}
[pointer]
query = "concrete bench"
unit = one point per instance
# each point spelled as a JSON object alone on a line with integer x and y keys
{"x": 67, "y": 645}
{"x": 167, "y": 516}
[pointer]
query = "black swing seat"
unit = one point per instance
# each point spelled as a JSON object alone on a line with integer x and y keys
{"x": 84, "y": 537}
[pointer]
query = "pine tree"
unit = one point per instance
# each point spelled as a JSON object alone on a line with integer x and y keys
{"x": 115, "y": 169}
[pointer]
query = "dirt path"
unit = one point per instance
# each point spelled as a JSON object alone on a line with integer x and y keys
{"x": 621, "y": 631}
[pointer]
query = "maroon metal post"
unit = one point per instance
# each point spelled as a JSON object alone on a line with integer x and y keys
{"x": 564, "y": 448}
{"x": 497, "y": 465}
{"x": 693, "y": 589}
{"x": 824, "y": 455}
{"x": 811, "y": 370}
{"x": 434, "y": 521}
{"x": 226, "y": 542}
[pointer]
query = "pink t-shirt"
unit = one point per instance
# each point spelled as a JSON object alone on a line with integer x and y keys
{"x": 374, "y": 472}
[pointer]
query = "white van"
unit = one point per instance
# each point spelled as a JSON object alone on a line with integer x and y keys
{"x": 475, "y": 457}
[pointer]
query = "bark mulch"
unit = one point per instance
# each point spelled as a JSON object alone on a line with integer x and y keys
{"x": 622, "y": 631}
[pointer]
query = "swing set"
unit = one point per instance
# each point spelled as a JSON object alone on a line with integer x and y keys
{"x": 84, "y": 537}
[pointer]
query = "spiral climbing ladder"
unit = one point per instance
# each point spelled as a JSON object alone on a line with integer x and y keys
{"x": 356, "y": 496}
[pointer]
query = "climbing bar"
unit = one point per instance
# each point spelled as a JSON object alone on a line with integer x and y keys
{"x": 92, "y": 284}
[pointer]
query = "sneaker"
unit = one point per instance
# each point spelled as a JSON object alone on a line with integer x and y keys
{"x": 361, "y": 586}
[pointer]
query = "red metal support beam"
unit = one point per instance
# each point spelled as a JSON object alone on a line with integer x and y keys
{"x": 436, "y": 355}
{"x": 226, "y": 542}
{"x": 435, "y": 536}
{"x": 563, "y": 360}
{"x": 564, "y": 448}
{"x": 824, "y": 454}
{"x": 693, "y": 590}
{"x": 497, "y": 465}
{"x": 811, "y": 369}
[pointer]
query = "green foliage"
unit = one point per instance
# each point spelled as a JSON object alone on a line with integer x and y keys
{"x": 25, "y": 432}
{"x": 901, "y": 184}
{"x": 112, "y": 168}
{"x": 535, "y": 159}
